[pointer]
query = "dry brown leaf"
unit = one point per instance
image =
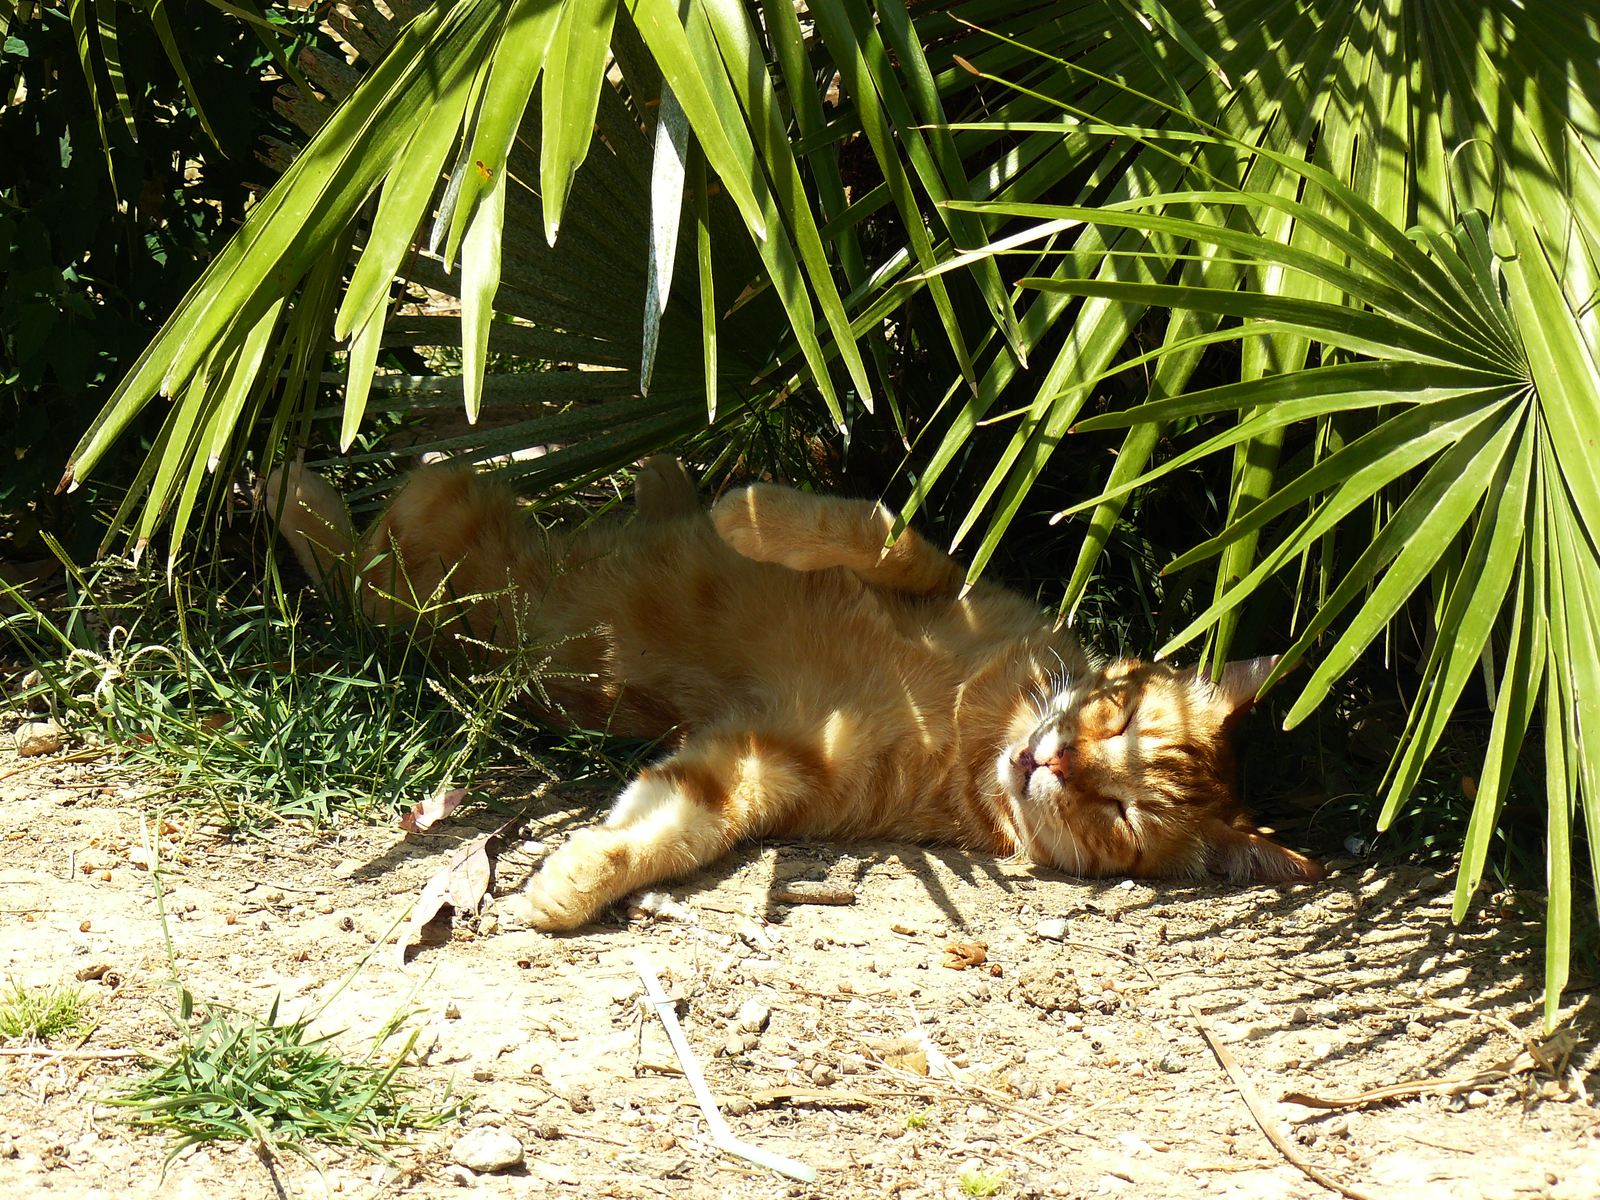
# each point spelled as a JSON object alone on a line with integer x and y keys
{"x": 460, "y": 883}
{"x": 903, "y": 1054}
{"x": 425, "y": 814}
{"x": 966, "y": 954}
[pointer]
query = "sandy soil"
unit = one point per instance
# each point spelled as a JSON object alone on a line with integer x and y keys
{"x": 1069, "y": 1068}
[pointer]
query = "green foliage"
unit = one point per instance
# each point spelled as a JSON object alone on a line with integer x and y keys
{"x": 262, "y": 709}
{"x": 39, "y": 1014}
{"x": 97, "y": 246}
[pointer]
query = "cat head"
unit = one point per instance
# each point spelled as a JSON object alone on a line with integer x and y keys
{"x": 1128, "y": 771}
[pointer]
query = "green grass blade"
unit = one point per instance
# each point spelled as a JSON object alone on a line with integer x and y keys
{"x": 163, "y": 27}
{"x": 111, "y": 50}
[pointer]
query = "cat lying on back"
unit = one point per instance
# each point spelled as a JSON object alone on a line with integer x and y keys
{"x": 809, "y": 684}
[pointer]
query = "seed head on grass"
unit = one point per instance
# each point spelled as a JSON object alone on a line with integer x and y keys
{"x": 236, "y": 1076}
{"x": 976, "y": 1182}
{"x": 39, "y": 1014}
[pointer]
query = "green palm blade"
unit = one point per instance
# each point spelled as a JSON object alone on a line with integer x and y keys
{"x": 578, "y": 54}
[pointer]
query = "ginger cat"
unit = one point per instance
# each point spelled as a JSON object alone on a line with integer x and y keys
{"x": 810, "y": 684}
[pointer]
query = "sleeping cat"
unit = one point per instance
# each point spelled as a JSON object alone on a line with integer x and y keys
{"x": 808, "y": 683}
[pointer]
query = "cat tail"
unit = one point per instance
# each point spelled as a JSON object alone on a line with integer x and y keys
{"x": 313, "y": 519}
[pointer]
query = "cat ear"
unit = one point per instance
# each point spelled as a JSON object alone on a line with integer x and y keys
{"x": 1247, "y": 856}
{"x": 1236, "y": 691}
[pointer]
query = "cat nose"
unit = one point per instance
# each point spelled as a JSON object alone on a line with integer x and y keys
{"x": 1061, "y": 763}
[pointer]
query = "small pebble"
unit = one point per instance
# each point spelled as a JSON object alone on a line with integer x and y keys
{"x": 38, "y": 737}
{"x": 823, "y": 1075}
{"x": 487, "y": 1149}
{"x": 1298, "y": 1016}
{"x": 452, "y": 1011}
{"x": 1476, "y": 1099}
{"x": 753, "y": 1017}
{"x": 1053, "y": 929}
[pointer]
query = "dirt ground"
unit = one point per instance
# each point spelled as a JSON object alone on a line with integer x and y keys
{"x": 1071, "y": 1067}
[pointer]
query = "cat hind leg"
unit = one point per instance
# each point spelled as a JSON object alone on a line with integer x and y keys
{"x": 675, "y": 817}
{"x": 663, "y": 489}
{"x": 806, "y": 532}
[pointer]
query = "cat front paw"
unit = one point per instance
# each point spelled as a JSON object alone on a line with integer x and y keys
{"x": 570, "y": 888}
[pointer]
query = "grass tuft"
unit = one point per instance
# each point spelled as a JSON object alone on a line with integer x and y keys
{"x": 239, "y": 1077}
{"x": 976, "y": 1182}
{"x": 39, "y": 1014}
{"x": 263, "y": 708}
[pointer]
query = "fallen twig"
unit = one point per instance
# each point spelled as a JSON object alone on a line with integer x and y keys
{"x": 75, "y": 757}
{"x": 806, "y": 892}
{"x": 37, "y": 1052}
{"x": 658, "y": 1000}
{"x": 1099, "y": 949}
{"x": 1071, "y": 1119}
{"x": 1253, "y": 1102}
{"x": 1558, "y": 1046}
{"x": 767, "y": 1096}
{"x": 1398, "y": 1091}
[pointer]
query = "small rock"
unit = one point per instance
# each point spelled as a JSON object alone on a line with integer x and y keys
{"x": 487, "y": 1149}
{"x": 579, "y": 1101}
{"x": 740, "y": 1043}
{"x": 460, "y": 1176}
{"x": 822, "y": 1075}
{"x": 347, "y": 923}
{"x": 489, "y": 924}
{"x": 753, "y": 1017}
{"x": 1052, "y": 989}
{"x": 325, "y": 907}
{"x": 452, "y": 1011}
{"x": 549, "y": 1131}
{"x": 347, "y": 867}
{"x": 1298, "y": 1016}
{"x": 738, "y": 1106}
{"x": 38, "y": 737}
{"x": 1476, "y": 1099}
{"x": 483, "y": 1074}
{"x": 1053, "y": 929}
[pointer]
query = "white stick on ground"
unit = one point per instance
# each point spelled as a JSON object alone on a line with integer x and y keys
{"x": 720, "y": 1132}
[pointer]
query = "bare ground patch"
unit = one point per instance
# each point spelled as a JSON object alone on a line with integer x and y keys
{"x": 1094, "y": 1081}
